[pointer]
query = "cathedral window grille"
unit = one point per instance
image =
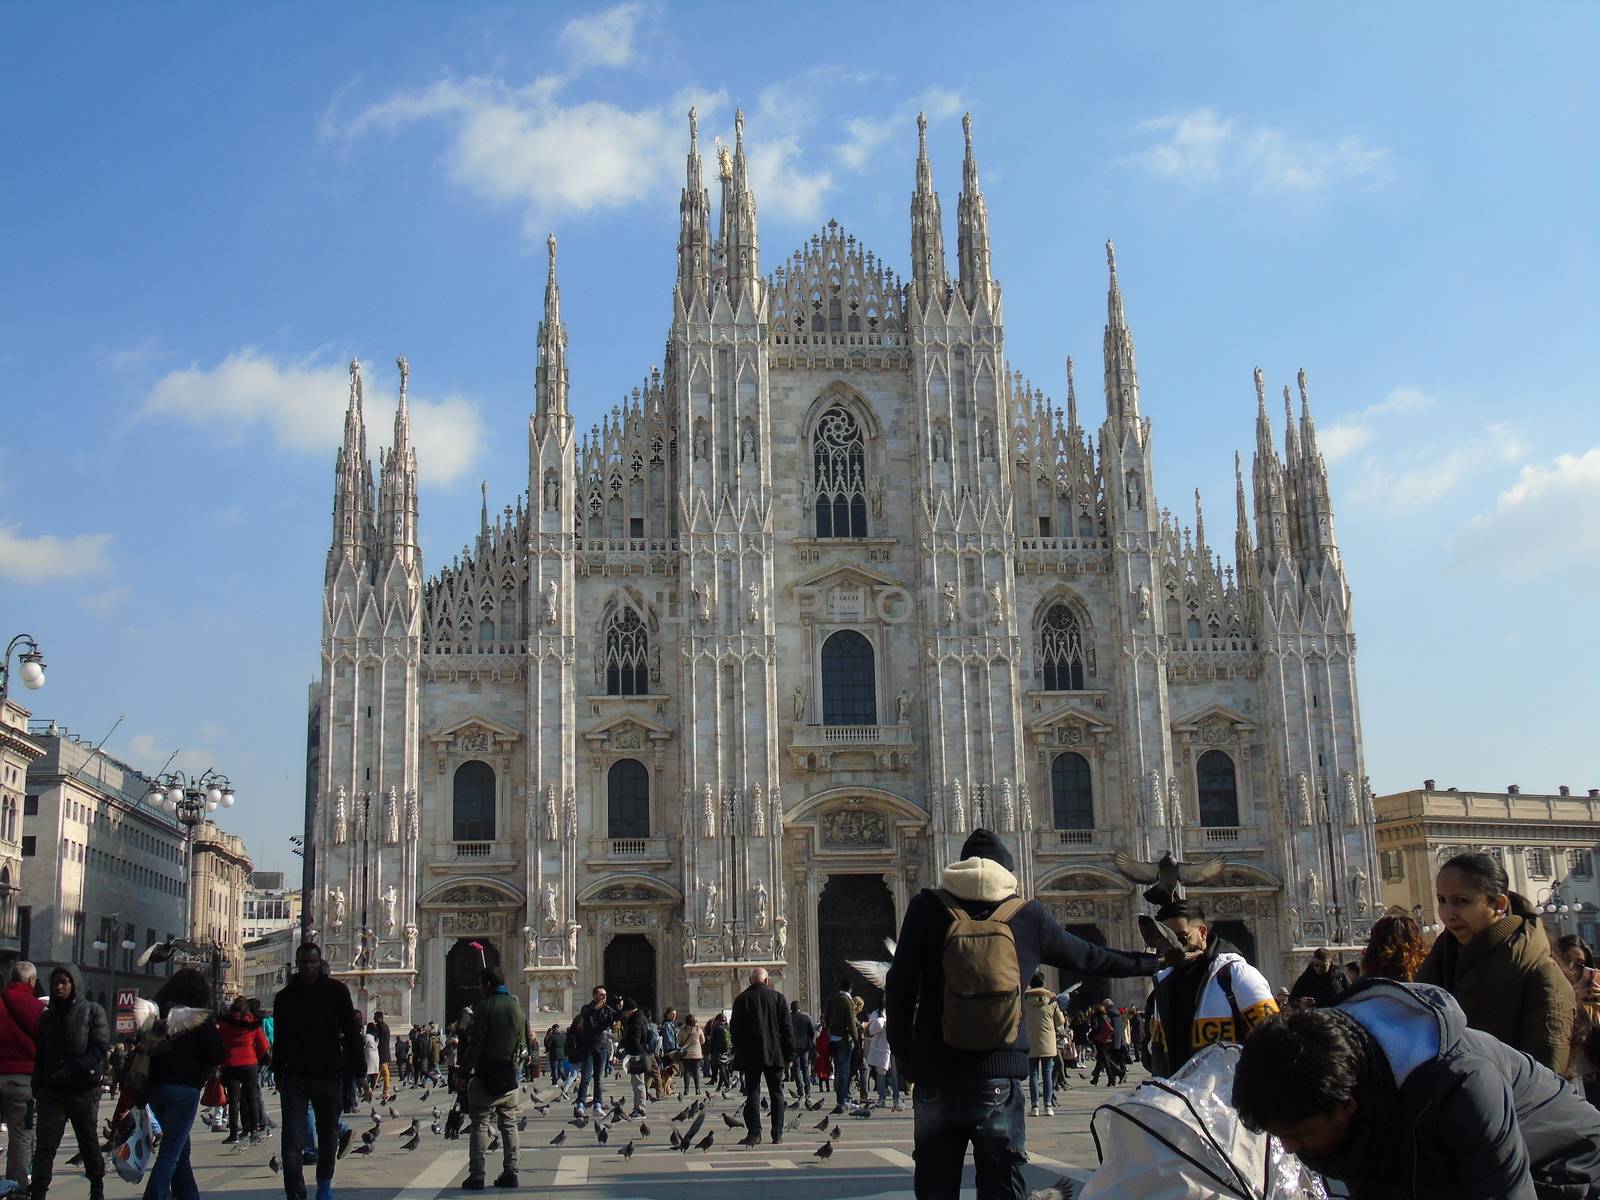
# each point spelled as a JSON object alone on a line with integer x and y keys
{"x": 849, "y": 680}
{"x": 840, "y": 475}
{"x": 472, "y": 807}
{"x": 1061, "y": 650}
{"x": 628, "y": 799}
{"x": 1219, "y": 790}
{"x": 627, "y": 655}
{"x": 1071, "y": 792}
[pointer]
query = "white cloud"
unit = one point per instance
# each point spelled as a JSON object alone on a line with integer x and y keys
{"x": 48, "y": 556}
{"x": 1544, "y": 522}
{"x": 602, "y": 40}
{"x": 1346, "y": 435}
{"x": 302, "y": 402}
{"x": 864, "y": 135}
{"x": 107, "y": 601}
{"x": 1417, "y": 479}
{"x": 145, "y": 747}
{"x": 1201, "y": 147}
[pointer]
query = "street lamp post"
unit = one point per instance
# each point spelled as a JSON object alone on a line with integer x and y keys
{"x": 1552, "y": 903}
{"x": 1426, "y": 927}
{"x": 190, "y": 798}
{"x": 31, "y": 672}
{"x": 108, "y": 942}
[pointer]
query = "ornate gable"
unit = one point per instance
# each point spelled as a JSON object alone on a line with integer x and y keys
{"x": 1069, "y": 725}
{"x": 474, "y": 735}
{"x": 627, "y": 733}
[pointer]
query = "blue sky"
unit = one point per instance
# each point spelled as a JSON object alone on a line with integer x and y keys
{"x": 208, "y": 211}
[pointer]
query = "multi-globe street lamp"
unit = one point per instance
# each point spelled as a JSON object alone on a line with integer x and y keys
{"x": 190, "y": 798}
{"x": 1550, "y": 902}
{"x": 31, "y": 672}
{"x": 107, "y": 942}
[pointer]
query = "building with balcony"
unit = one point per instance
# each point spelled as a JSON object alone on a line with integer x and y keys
{"x": 18, "y": 751}
{"x": 221, "y": 881}
{"x": 1547, "y": 844}
{"x": 269, "y": 905}
{"x": 100, "y": 865}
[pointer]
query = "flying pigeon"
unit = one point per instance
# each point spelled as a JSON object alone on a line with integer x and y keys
{"x": 873, "y": 971}
{"x": 694, "y": 1128}
{"x": 1168, "y": 875}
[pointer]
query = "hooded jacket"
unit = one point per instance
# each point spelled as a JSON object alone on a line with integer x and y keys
{"x": 1509, "y": 985}
{"x": 1480, "y": 1120}
{"x": 196, "y": 1048}
{"x": 20, "y": 1011}
{"x": 1041, "y": 1018}
{"x": 914, "y": 990}
{"x": 1183, "y": 1023}
{"x": 73, "y": 1040}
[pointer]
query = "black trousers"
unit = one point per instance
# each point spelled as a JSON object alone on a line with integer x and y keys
{"x": 52, "y": 1111}
{"x": 325, "y": 1095}
{"x": 752, "y": 1100}
{"x": 244, "y": 1099}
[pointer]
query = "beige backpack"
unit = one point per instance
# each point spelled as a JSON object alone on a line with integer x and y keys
{"x": 982, "y": 979}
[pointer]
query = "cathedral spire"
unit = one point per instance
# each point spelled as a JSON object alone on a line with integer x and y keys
{"x": 1072, "y": 397}
{"x": 397, "y": 529}
{"x": 1200, "y": 551}
{"x": 929, "y": 279}
{"x": 972, "y": 227}
{"x": 551, "y": 380}
{"x": 1272, "y": 506}
{"x": 1244, "y": 551}
{"x": 742, "y": 252}
{"x": 694, "y": 225}
{"x": 352, "y": 489}
{"x": 1122, "y": 373}
{"x": 1318, "y": 508}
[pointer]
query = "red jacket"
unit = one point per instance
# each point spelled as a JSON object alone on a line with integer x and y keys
{"x": 243, "y": 1042}
{"x": 19, "y": 1029}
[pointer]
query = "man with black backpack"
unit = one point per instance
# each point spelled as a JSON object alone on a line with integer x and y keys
{"x": 954, "y": 1003}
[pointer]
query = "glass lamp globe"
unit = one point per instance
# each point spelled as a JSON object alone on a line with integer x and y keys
{"x": 32, "y": 674}
{"x": 174, "y": 794}
{"x": 1564, "y": 908}
{"x": 98, "y": 945}
{"x": 213, "y": 795}
{"x": 228, "y": 798}
{"x": 211, "y": 806}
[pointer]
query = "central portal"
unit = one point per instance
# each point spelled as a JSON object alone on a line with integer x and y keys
{"x": 854, "y": 914}
{"x": 461, "y": 967}
{"x": 630, "y": 972}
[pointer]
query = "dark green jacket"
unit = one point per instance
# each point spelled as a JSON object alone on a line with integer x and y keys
{"x": 499, "y": 1031}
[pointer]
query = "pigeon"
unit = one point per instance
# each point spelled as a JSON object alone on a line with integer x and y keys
{"x": 368, "y": 1137}
{"x": 834, "y": 1136}
{"x": 730, "y": 1122}
{"x": 862, "y": 1113}
{"x": 705, "y": 1142}
{"x": 644, "y": 1129}
{"x": 412, "y": 1144}
{"x": 274, "y": 1165}
{"x": 874, "y": 971}
{"x": 366, "y": 1149}
{"x": 626, "y": 1151}
{"x": 393, "y": 1115}
{"x": 823, "y": 1124}
{"x": 579, "y": 1121}
{"x": 436, "y": 1129}
{"x": 75, "y": 1159}
{"x": 675, "y": 1139}
{"x": 542, "y": 1109}
{"x": 823, "y": 1151}
{"x": 1168, "y": 875}
{"x": 435, "y": 1113}
{"x": 425, "y": 1097}
{"x": 688, "y": 1137}
{"x": 603, "y": 1133}
{"x": 559, "y": 1138}
{"x": 416, "y": 1127}
{"x": 522, "y": 1124}
{"x": 813, "y": 1105}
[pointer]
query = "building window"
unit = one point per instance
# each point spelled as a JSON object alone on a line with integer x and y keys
{"x": 1580, "y": 863}
{"x": 1538, "y": 863}
{"x": 30, "y": 845}
{"x": 627, "y": 661}
{"x": 1394, "y": 864}
{"x": 30, "y": 806}
{"x": 1219, "y": 789}
{"x": 1071, "y": 793}
{"x": 473, "y": 809}
{"x": 1061, "y": 650}
{"x": 628, "y": 799}
{"x": 839, "y": 462}
{"x": 849, "y": 680}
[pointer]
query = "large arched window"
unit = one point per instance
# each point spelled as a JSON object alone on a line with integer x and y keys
{"x": 472, "y": 809}
{"x": 628, "y": 799}
{"x": 1071, "y": 795}
{"x": 849, "y": 680}
{"x": 839, "y": 479}
{"x": 627, "y": 654}
{"x": 1061, "y": 650}
{"x": 1219, "y": 789}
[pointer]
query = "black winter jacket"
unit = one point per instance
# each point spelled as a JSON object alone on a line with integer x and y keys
{"x": 315, "y": 1031}
{"x": 1482, "y": 1121}
{"x": 73, "y": 1041}
{"x": 196, "y": 1048}
{"x": 914, "y": 994}
{"x": 1324, "y": 989}
{"x": 763, "y": 1035}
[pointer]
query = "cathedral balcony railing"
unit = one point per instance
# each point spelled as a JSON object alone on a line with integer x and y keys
{"x": 1218, "y": 839}
{"x": 1049, "y": 842}
{"x": 474, "y": 849}
{"x": 846, "y": 747}
{"x": 1048, "y": 545}
{"x": 1214, "y": 645}
{"x": 637, "y": 852}
{"x": 627, "y": 545}
{"x": 853, "y": 735}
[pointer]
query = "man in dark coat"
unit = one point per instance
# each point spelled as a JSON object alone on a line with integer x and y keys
{"x": 1392, "y": 1094}
{"x": 1322, "y": 983}
{"x": 592, "y": 1028}
{"x": 74, "y": 1038}
{"x": 805, "y": 1047}
{"x": 763, "y": 1046}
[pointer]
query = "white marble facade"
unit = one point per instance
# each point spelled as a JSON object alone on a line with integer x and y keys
{"x": 742, "y": 667}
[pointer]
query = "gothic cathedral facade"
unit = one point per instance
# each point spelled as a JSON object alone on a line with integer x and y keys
{"x": 749, "y": 659}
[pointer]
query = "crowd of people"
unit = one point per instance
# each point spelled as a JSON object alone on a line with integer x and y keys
{"x": 1468, "y": 1067}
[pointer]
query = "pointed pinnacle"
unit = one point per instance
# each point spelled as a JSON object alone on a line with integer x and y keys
{"x": 1261, "y": 393}
{"x": 966, "y": 129}
{"x": 694, "y": 131}
{"x": 738, "y": 131}
{"x": 1288, "y": 406}
{"x": 1305, "y": 395}
{"x": 405, "y": 373}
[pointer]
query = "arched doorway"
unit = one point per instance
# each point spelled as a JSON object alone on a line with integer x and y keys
{"x": 461, "y": 966}
{"x": 1094, "y": 989}
{"x": 630, "y": 971}
{"x": 1237, "y": 934}
{"x": 854, "y": 914}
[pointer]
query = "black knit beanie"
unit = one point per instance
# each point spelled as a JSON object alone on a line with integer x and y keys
{"x": 981, "y": 843}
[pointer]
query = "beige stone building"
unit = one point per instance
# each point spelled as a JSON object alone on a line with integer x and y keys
{"x": 269, "y": 905}
{"x": 1546, "y": 843}
{"x": 221, "y": 867}
{"x": 17, "y": 752}
{"x": 267, "y": 962}
{"x": 746, "y": 662}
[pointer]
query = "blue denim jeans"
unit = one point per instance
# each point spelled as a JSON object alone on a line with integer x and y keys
{"x": 843, "y": 1051}
{"x": 1044, "y": 1067}
{"x": 175, "y": 1107}
{"x": 985, "y": 1112}
{"x": 593, "y": 1064}
{"x": 887, "y": 1077}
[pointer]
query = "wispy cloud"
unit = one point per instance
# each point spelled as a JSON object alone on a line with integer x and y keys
{"x": 604, "y": 39}
{"x": 864, "y": 135}
{"x": 1414, "y": 479}
{"x": 1346, "y": 435}
{"x": 1200, "y": 147}
{"x": 105, "y": 602}
{"x": 46, "y": 557}
{"x": 1544, "y": 522}
{"x": 302, "y": 402}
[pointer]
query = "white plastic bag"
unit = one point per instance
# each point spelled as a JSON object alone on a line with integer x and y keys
{"x": 132, "y": 1155}
{"x": 1179, "y": 1139}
